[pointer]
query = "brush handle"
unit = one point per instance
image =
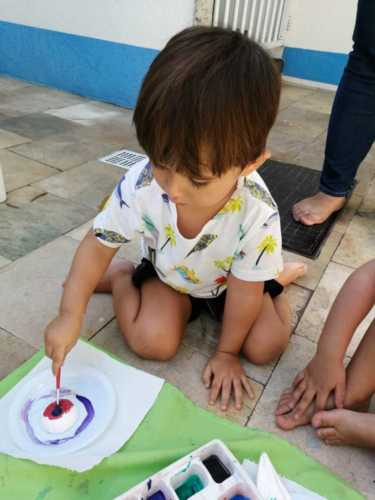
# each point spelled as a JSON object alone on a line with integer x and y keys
{"x": 58, "y": 377}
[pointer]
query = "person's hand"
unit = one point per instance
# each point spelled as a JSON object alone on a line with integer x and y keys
{"x": 60, "y": 336}
{"x": 316, "y": 382}
{"x": 224, "y": 373}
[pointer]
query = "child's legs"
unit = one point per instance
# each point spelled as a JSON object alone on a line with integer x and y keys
{"x": 360, "y": 374}
{"x": 152, "y": 318}
{"x": 270, "y": 333}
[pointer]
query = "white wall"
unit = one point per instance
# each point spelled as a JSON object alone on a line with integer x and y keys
{"x": 144, "y": 23}
{"x": 325, "y": 25}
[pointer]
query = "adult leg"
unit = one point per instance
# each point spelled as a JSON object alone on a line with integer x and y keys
{"x": 351, "y": 130}
{"x": 152, "y": 319}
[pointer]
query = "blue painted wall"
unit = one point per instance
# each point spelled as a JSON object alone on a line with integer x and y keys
{"x": 98, "y": 69}
{"x": 326, "y": 67}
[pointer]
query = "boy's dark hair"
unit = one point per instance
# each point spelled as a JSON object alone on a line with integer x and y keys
{"x": 210, "y": 90}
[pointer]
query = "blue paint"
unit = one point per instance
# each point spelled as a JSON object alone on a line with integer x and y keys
{"x": 239, "y": 497}
{"x": 326, "y": 67}
{"x": 98, "y": 69}
{"x": 159, "y": 495}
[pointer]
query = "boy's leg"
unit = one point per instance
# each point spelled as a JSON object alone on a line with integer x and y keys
{"x": 270, "y": 333}
{"x": 152, "y": 318}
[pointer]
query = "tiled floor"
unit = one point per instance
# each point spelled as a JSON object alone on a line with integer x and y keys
{"x": 49, "y": 145}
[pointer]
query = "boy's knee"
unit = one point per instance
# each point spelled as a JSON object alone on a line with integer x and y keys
{"x": 264, "y": 354}
{"x": 152, "y": 346}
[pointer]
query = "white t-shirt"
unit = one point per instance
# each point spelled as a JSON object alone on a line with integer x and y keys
{"x": 243, "y": 238}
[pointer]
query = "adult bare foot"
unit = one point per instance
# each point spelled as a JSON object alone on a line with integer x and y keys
{"x": 285, "y": 413}
{"x": 340, "y": 427}
{"x": 116, "y": 267}
{"x": 291, "y": 271}
{"x": 317, "y": 208}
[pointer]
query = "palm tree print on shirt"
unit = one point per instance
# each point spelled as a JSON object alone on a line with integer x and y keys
{"x": 145, "y": 177}
{"x": 221, "y": 282}
{"x": 224, "y": 264}
{"x": 267, "y": 245}
{"x": 170, "y": 235}
{"x": 235, "y": 204}
{"x": 259, "y": 192}
{"x": 150, "y": 226}
{"x": 110, "y": 236}
{"x": 203, "y": 242}
{"x": 188, "y": 274}
{"x": 119, "y": 193}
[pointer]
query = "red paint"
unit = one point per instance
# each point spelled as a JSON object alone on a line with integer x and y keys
{"x": 64, "y": 404}
{"x": 58, "y": 378}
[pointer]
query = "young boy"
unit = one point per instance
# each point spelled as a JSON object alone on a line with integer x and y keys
{"x": 325, "y": 383}
{"x": 210, "y": 229}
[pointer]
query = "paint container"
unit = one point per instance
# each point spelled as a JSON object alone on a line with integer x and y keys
{"x": 211, "y": 472}
{"x": 218, "y": 471}
{"x": 3, "y": 194}
{"x": 190, "y": 480}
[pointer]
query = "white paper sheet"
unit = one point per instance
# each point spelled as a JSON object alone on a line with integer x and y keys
{"x": 295, "y": 490}
{"x": 136, "y": 393}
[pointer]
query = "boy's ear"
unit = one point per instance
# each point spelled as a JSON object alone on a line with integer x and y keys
{"x": 266, "y": 155}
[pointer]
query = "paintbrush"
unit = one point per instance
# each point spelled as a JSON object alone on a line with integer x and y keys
{"x": 58, "y": 376}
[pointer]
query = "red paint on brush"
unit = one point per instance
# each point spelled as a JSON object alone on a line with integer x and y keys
{"x": 50, "y": 412}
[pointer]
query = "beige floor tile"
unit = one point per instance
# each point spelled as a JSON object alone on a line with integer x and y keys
{"x": 80, "y": 232}
{"x": 8, "y": 139}
{"x": 64, "y": 151}
{"x": 4, "y": 262}
{"x": 313, "y": 319}
{"x": 347, "y": 213}
{"x": 367, "y": 208}
{"x": 316, "y": 267}
{"x": 290, "y": 94}
{"x": 19, "y": 171}
{"x": 30, "y": 291}
{"x": 353, "y": 464}
{"x": 319, "y": 101}
{"x": 305, "y": 123}
{"x": 358, "y": 243}
{"x": 8, "y": 84}
{"x": 34, "y": 99}
{"x": 87, "y": 184}
{"x": 312, "y": 155}
{"x": 24, "y": 195}
{"x": 13, "y": 352}
{"x": 87, "y": 113}
{"x": 298, "y": 298}
{"x": 184, "y": 371}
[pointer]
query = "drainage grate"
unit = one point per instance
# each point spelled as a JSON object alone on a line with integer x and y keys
{"x": 124, "y": 158}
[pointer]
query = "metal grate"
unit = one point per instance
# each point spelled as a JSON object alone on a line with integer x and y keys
{"x": 262, "y": 20}
{"x": 124, "y": 158}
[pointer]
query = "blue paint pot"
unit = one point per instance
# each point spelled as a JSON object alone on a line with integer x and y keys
{"x": 159, "y": 495}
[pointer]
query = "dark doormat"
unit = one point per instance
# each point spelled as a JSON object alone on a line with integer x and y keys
{"x": 289, "y": 184}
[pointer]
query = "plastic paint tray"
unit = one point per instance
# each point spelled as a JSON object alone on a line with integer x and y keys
{"x": 233, "y": 479}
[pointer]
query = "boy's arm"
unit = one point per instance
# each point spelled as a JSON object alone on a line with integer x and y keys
{"x": 242, "y": 306}
{"x": 89, "y": 264}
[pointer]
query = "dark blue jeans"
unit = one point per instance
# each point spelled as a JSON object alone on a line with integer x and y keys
{"x": 351, "y": 129}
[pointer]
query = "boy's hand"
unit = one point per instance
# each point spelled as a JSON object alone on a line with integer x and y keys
{"x": 60, "y": 336}
{"x": 224, "y": 373}
{"x": 320, "y": 377}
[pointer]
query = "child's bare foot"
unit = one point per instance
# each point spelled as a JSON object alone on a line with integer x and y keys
{"x": 317, "y": 208}
{"x": 340, "y": 427}
{"x": 119, "y": 266}
{"x": 285, "y": 413}
{"x": 291, "y": 271}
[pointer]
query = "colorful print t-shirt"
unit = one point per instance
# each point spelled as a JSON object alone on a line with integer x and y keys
{"x": 243, "y": 238}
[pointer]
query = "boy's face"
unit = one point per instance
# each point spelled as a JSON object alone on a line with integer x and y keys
{"x": 205, "y": 191}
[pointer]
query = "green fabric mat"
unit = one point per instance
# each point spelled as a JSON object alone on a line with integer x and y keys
{"x": 173, "y": 428}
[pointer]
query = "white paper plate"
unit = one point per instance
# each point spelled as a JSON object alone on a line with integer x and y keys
{"x": 84, "y": 381}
